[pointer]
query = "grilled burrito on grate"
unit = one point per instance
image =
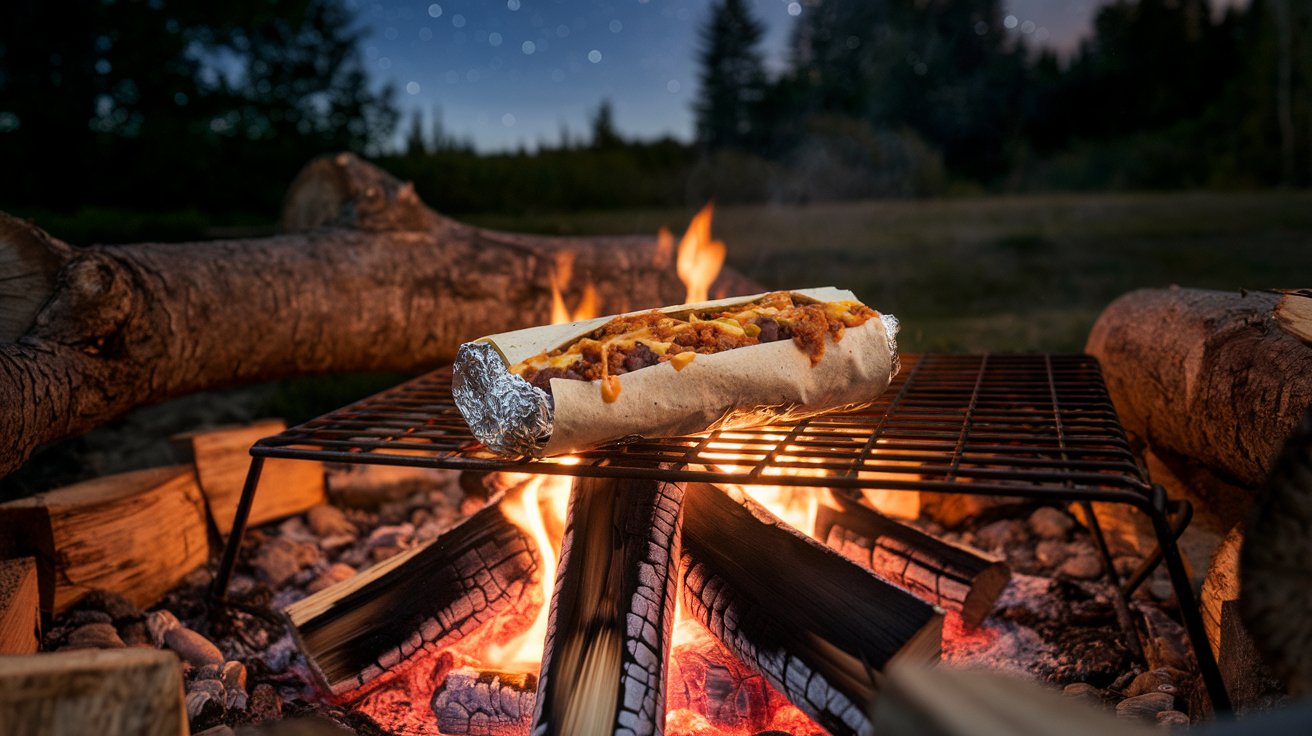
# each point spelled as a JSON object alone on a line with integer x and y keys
{"x": 723, "y": 364}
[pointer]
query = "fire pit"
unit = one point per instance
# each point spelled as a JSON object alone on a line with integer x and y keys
{"x": 1038, "y": 427}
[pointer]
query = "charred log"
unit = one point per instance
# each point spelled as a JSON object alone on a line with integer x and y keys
{"x": 608, "y": 637}
{"x": 417, "y": 602}
{"x": 381, "y": 282}
{"x": 484, "y": 702}
{"x": 818, "y": 627}
{"x": 946, "y": 575}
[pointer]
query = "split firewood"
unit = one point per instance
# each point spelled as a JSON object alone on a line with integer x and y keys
{"x": 1206, "y": 375}
{"x": 1275, "y": 565}
{"x": 108, "y": 692}
{"x": 1294, "y": 313}
{"x": 603, "y": 671}
{"x": 20, "y": 607}
{"x": 920, "y": 701}
{"x": 222, "y": 458}
{"x": 136, "y": 534}
{"x": 372, "y": 280}
{"x": 947, "y": 575}
{"x": 421, "y": 601}
{"x": 818, "y": 627}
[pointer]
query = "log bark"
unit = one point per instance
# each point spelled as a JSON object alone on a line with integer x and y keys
{"x": 222, "y": 458}
{"x": 20, "y": 607}
{"x": 816, "y": 626}
{"x": 136, "y": 534}
{"x": 108, "y": 692}
{"x": 608, "y": 635}
{"x": 1205, "y": 374}
{"x": 946, "y": 575}
{"x": 381, "y": 283}
{"x": 416, "y": 603}
{"x": 476, "y": 702}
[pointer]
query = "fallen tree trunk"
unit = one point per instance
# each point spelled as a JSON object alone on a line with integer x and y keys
{"x": 1207, "y": 375}
{"x": 381, "y": 283}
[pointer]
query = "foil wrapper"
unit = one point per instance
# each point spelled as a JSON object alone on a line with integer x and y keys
{"x": 736, "y": 388}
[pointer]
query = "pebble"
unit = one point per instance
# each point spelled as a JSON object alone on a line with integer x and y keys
{"x": 135, "y": 634}
{"x": 1049, "y": 523}
{"x": 265, "y": 704}
{"x": 278, "y": 560}
{"x": 201, "y": 577}
{"x": 210, "y": 686}
{"x": 328, "y": 521}
{"x": 114, "y": 605}
{"x": 94, "y": 636}
{"x": 235, "y": 700}
{"x": 995, "y": 536}
{"x": 209, "y": 672}
{"x": 1083, "y": 691}
{"x": 1083, "y": 566}
{"x": 159, "y": 623}
{"x": 220, "y": 730}
{"x": 1050, "y": 552}
{"x": 234, "y": 676}
{"x": 396, "y": 535}
{"x": 336, "y": 573}
{"x": 82, "y": 617}
{"x": 202, "y": 706}
{"x": 1148, "y": 682}
{"x": 1145, "y": 707}
{"x": 1161, "y": 589}
{"x": 192, "y": 647}
{"x": 1172, "y": 718}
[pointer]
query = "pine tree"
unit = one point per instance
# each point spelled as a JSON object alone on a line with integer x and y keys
{"x": 732, "y": 77}
{"x": 604, "y": 133}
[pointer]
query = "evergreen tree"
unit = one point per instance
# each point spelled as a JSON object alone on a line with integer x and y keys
{"x": 604, "y": 133}
{"x": 415, "y": 145}
{"x": 733, "y": 78}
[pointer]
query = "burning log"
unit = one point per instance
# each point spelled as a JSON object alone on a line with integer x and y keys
{"x": 818, "y": 627}
{"x": 484, "y": 702}
{"x": 603, "y": 670}
{"x": 420, "y": 601}
{"x": 20, "y": 607}
{"x": 110, "y": 692}
{"x": 1205, "y": 375}
{"x": 378, "y": 282}
{"x": 108, "y": 533}
{"x": 946, "y": 575}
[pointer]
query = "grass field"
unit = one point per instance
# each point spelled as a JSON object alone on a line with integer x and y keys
{"x": 1024, "y": 273}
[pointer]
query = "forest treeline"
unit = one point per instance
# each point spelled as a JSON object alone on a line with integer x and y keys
{"x": 175, "y": 105}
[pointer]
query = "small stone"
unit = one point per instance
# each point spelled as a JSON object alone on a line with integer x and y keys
{"x": 1149, "y": 682}
{"x": 1084, "y": 566}
{"x": 385, "y": 551}
{"x": 82, "y": 617}
{"x": 1050, "y": 552}
{"x": 202, "y": 706}
{"x": 1049, "y": 523}
{"x": 192, "y": 647}
{"x": 208, "y": 685}
{"x": 336, "y": 573}
{"x": 159, "y": 623}
{"x": 997, "y": 535}
{"x": 209, "y": 672}
{"x": 1145, "y": 707}
{"x": 201, "y": 577}
{"x": 94, "y": 636}
{"x": 234, "y": 676}
{"x": 236, "y": 700}
{"x": 220, "y": 730}
{"x": 114, "y": 605}
{"x": 1161, "y": 589}
{"x": 1172, "y": 718}
{"x": 329, "y": 521}
{"x": 135, "y": 634}
{"x": 265, "y": 704}
{"x": 396, "y": 535}
{"x": 277, "y": 560}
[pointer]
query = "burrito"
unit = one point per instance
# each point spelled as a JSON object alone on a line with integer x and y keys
{"x": 722, "y": 364}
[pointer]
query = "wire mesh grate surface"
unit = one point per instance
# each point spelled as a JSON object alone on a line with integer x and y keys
{"x": 1020, "y": 425}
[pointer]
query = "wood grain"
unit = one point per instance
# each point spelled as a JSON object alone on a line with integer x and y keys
{"x": 20, "y": 607}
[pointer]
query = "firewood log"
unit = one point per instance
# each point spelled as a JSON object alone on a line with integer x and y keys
{"x": 484, "y": 702}
{"x": 378, "y": 283}
{"x": 1294, "y": 313}
{"x": 222, "y": 457}
{"x": 420, "y": 601}
{"x": 706, "y": 679}
{"x": 608, "y": 637}
{"x": 946, "y": 575}
{"x": 818, "y": 627}
{"x": 1206, "y": 375}
{"x": 136, "y": 534}
{"x": 108, "y": 692}
{"x": 20, "y": 607}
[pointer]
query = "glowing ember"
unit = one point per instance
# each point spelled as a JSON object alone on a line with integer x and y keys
{"x": 700, "y": 258}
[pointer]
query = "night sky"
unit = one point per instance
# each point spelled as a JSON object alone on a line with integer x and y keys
{"x": 512, "y": 72}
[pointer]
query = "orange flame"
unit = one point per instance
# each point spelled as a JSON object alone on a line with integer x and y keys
{"x": 700, "y": 258}
{"x": 560, "y": 277}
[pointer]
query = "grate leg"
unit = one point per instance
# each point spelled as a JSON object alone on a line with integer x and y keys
{"x": 219, "y": 592}
{"x": 1190, "y": 616}
{"x": 1121, "y": 599}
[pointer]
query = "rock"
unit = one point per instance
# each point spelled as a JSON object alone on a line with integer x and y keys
{"x": 1050, "y": 552}
{"x": 208, "y": 672}
{"x": 201, "y": 577}
{"x": 202, "y": 706}
{"x": 234, "y": 676}
{"x": 219, "y": 730}
{"x": 1172, "y": 718}
{"x": 1160, "y": 588}
{"x": 94, "y": 636}
{"x": 336, "y": 573}
{"x": 385, "y": 551}
{"x": 192, "y": 647}
{"x": 1050, "y": 523}
{"x": 135, "y": 634}
{"x": 114, "y": 605}
{"x": 395, "y": 535}
{"x": 278, "y": 560}
{"x": 1083, "y": 566}
{"x": 83, "y": 616}
{"x": 1083, "y": 691}
{"x": 159, "y": 623}
{"x": 995, "y": 536}
{"x": 207, "y": 685}
{"x": 1145, "y": 707}
{"x": 235, "y": 700}
{"x": 329, "y": 521}
{"x": 1148, "y": 682}
{"x": 265, "y": 704}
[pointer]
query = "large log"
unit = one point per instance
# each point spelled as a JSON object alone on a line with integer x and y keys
{"x": 612, "y": 611}
{"x": 108, "y": 692}
{"x": 818, "y": 627}
{"x": 136, "y": 534}
{"x": 381, "y": 282}
{"x": 1207, "y": 375}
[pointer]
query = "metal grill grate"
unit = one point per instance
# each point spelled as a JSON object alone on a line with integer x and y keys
{"x": 1022, "y": 425}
